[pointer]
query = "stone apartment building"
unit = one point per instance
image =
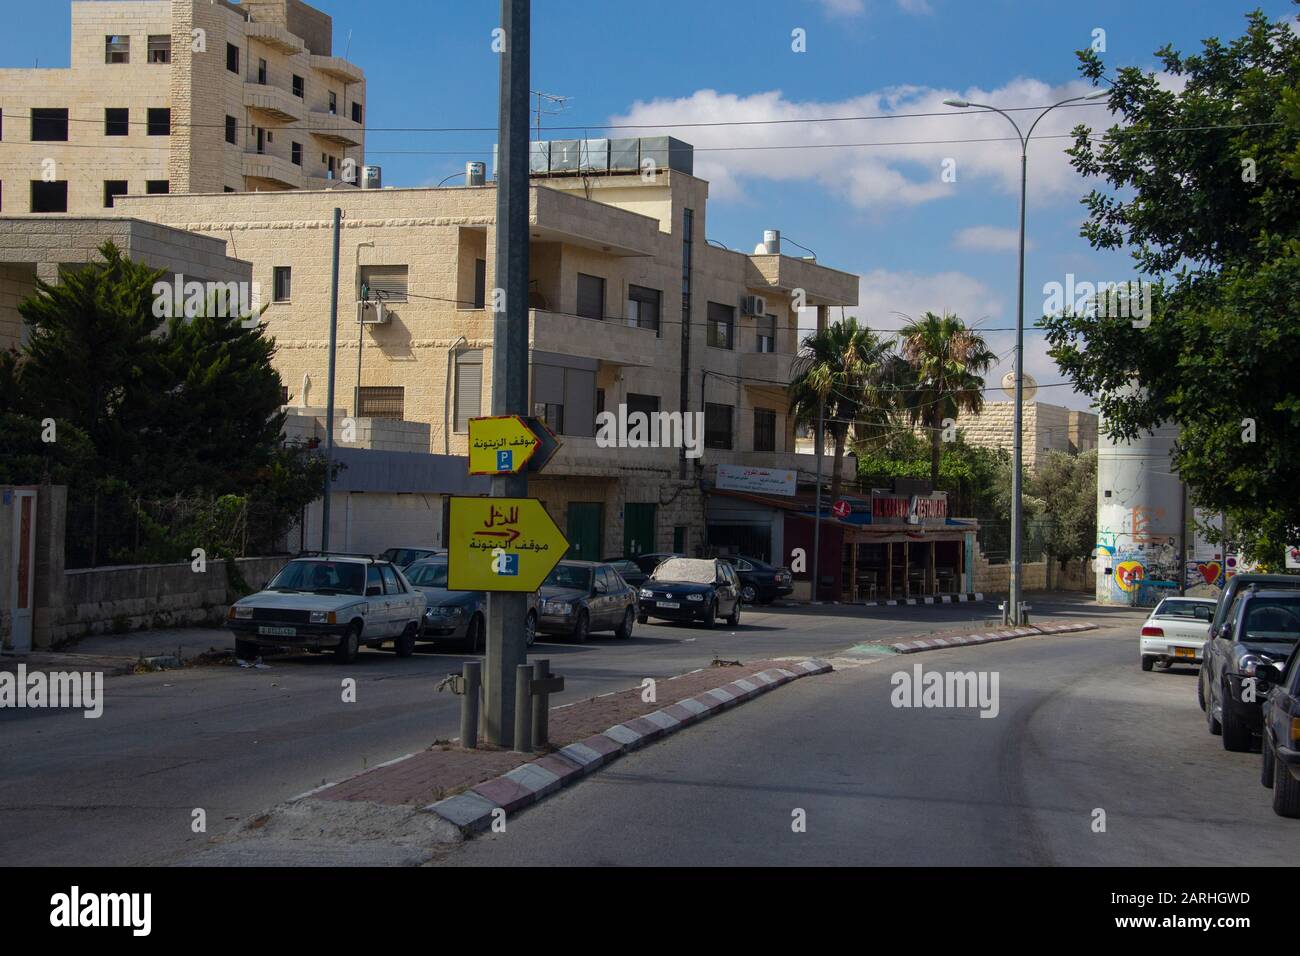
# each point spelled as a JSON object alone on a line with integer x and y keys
{"x": 1045, "y": 428}
{"x": 619, "y": 265}
{"x": 180, "y": 96}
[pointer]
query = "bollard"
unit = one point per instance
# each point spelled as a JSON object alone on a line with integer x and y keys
{"x": 523, "y": 708}
{"x": 541, "y": 706}
{"x": 472, "y": 677}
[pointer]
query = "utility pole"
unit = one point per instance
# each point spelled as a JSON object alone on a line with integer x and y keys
{"x": 329, "y": 388}
{"x": 506, "y": 647}
{"x": 817, "y": 508}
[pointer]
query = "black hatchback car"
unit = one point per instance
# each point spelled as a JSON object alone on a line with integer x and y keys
{"x": 759, "y": 581}
{"x": 1262, "y": 632}
{"x": 1281, "y": 744}
{"x": 692, "y": 589}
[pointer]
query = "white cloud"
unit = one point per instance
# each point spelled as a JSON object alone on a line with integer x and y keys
{"x": 882, "y": 176}
{"x": 843, "y": 8}
{"x": 989, "y": 239}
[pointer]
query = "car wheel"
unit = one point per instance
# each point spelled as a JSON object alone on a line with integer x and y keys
{"x": 1148, "y": 662}
{"x": 476, "y": 634}
{"x": 404, "y": 646}
{"x": 734, "y": 619}
{"x": 582, "y": 628}
{"x": 748, "y": 594}
{"x": 1200, "y": 690}
{"x": 1286, "y": 791}
{"x": 1236, "y": 735}
{"x": 625, "y": 629}
{"x": 711, "y": 618}
{"x": 642, "y": 618}
{"x": 346, "y": 650}
{"x": 1266, "y": 768}
{"x": 530, "y": 629}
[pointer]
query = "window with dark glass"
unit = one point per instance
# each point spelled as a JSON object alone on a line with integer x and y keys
{"x": 766, "y": 333}
{"x": 49, "y": 125}
{"x": 722, "y": 324}
{"x": 159, "y": 121}
{"x": 261, "y": 72}
{"x": 160, "y": 48}
{"x": 717, "y": 425}
{"x": 591, "y": 296}
{"x": 157, "y": 187}
{"x": 334, "y": 103}
{"x": 646, "y": 404}
{"x": 232, "y": 58}
{"x": 112, "y": 189}
{"x": 282, "y": 277}
{"x": 295, "y": 153}
{"x": 117, "y": 49}
{"x": 298, "y": 88}
{"x": 764, "y": 429}
{"x": 117, "y": 121}
{"x": 49, "y": 197}
{"x": 232, "y": 131}
{"x": 643, "y": 307}
{"x": 356, "y": 112}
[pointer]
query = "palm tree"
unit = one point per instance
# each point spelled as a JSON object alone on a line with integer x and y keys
{"x": 840, "y": 368}
{"x": 947, "y": 364}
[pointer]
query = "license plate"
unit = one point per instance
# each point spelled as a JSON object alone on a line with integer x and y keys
{"x": 672, "y": 604}
{"x": 1184, "y": 652}
{"x": 277, "y": 631}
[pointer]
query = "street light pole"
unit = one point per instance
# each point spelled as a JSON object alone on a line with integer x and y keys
{"x": 1011, "y": 612}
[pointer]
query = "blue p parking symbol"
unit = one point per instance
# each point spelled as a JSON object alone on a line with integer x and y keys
{"x": 508, "y": 565}
{"x": 505, "y": 460}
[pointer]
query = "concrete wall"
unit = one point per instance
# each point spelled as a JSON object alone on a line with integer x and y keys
{"x": 1045, "y": 428}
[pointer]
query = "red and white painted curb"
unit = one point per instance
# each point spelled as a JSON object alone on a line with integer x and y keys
{"x": 528, "y": 783}
{"x": 961, "y": 640}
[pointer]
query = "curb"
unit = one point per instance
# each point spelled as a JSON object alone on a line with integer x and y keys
{"x": 972, "y": 596}
{"x": 472, "y": 811}
{"x": 988, "y": 637}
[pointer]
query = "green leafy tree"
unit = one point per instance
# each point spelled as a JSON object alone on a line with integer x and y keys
{"x": 948, "y": 362}
{"x": 1064, "y": 489}
{"x": 1201, "y": 183}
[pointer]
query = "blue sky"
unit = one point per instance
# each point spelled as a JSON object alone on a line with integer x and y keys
{"x": 882, "y": 212}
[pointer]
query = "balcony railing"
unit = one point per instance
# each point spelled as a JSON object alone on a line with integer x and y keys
{"x": 608, "y": 340}
{"x": 334, "y": 128}
{"x": 338, "y": 68}
{"x": 767, "y": 368}
{"x": 279, "y": 104}
{"x": 274, "y": 169}
{"x": 274, "y": 36}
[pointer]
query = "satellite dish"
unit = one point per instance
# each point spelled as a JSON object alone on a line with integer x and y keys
{"x": 1028, "y": 391}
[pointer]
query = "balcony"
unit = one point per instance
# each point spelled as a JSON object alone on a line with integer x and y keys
{"x": 274, "y": 36}
{"x": 771, "y": 369}
{"x": 338, "y": 68}
{"x": 610, "y": 341}
{"x": 325, "y": 182}
{"x": 821, "y": 285}
{"x": 336, "y": 129}
{"x": 274, "y": 170}
{"x": 271, "y": 101}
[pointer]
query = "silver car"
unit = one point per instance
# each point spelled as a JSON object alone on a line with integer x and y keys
{"x": 458, "y": 616}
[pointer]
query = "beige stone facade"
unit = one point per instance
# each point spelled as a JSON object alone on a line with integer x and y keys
{"x": 181, "y": 96}
{"x": 615, "y": 236}
{"x": 1044, "y": 427}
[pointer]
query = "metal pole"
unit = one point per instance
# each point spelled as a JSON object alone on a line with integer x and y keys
{"x": 541, "y": 710}
{"x": 817, "y": 508}
{"x": 472, "y": 672}
{"x": 523, "y": 712}
{"x": 1011, "y": 613}
{"x": 1182, "y": 539}
{"x": 506, "y": 648}
{"x": 329, "y": 401}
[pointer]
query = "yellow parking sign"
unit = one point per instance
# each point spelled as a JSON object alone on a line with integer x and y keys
{"x": 500, "y": 445}
{"x": 501, "y": 544}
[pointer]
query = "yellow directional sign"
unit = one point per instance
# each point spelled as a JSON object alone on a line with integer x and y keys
{"x": 501, "y": 544}
{"x": 500, "y": 446}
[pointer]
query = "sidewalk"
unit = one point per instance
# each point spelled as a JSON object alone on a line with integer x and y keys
{"x": 121, "y": 653}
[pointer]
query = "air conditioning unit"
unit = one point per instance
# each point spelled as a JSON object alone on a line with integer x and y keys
{"x": 753, "y": 305}
{"x": 373, "y": 313}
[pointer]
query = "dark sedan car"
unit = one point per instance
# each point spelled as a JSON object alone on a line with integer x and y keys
{"x": 579, "y": 597}
{"x": 459, "y": 616}
{"x": 1281, "y": 744}
{"x": 629, "y": 570}
{"x": 648, "y": 562}
{"x": 692, "y": 589}
{"x": 1263, "y": 631}
{"x": 759, "y": 581}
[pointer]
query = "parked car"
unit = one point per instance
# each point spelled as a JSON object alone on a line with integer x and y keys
{"x": 1263, "y": 631}
{"x": 759, "y": 581}
{"x": 459, "y": 616}
{"x": 326, "y": 601}
{"x": 1280, "y": 717}
{"x": 1226, "y": 608}
{"x": 579, "y": 597}
{"x": 1176, "y": 631}
{"x": 648, "y": 562}
{"x": 692, "y": 589}
{"x": 405, "y": 557}
{"x": 628, "y": 570}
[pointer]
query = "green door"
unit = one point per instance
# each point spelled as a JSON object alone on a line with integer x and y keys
{"x": 584, "y": 531}
{"x": 638, "y": 529}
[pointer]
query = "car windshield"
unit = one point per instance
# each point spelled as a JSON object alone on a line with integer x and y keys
{"x": 430, "y": 575}
{"x": 693, "y": 570}
{"x": 568, "y": 576}
{"x": 321, "y": 577}
{"x": 404, "y": 556}
{"x": 1273, "y": 620}
{"x": 1183, "y": 608}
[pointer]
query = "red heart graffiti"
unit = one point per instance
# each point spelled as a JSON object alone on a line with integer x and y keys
{"x": 1210, "y": 570}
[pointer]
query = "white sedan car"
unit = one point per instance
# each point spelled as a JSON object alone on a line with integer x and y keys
{"x": 1176, "y": 631}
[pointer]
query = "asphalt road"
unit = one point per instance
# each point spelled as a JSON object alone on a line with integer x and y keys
{"x": 121, "y": 790}
{"x": 1080, "y": 729}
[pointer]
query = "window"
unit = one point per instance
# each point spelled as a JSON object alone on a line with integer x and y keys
{"x": 160, "y": 121}
{"x": 469, "y": 388}
{"x": 157, "y": 187}
{"x": 160, "y": 48}
{"x": 49, "y": 197}
{"x": 480, "y": 283}
{"x": 334, "y": 103}
{"x": 551, "y": 413}
{"x": 117, "y": 49}
{"x": 49, "y": 125}
{"x": 232, "y": 58}
{"x": 282, "y": 283}
{"x": 297, "y": 86}
{"x": 374, "y": 580}
{"x": 232, "y": 131}
{"x": 380, "y": 402}
{"x": 261, "y": 72}
{"x": 112, "y": 189}
{"x": 384, "y": 282}
{"x": 722, "y": 323}
{"x": 566, "y": 397}
{"x": 646, "y": 404}
{"x": 117, "y": 122}
{"x": 767, "y": 333}
{"x": 391, "y": 584}
{"x": 356, "y": 112}
{"x": 643, "y": 307}
{"x": 591, "y": 296}
{"x": 295, "y": 153}
{"x": 764, "y": 429}
{"x": 717, "y": 425}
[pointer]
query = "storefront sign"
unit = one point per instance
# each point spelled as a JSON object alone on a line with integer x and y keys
{"x": 924, "y": 510}
{"x": 770, "y": 481}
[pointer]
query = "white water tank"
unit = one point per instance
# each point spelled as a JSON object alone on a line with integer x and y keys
{"x": 372, "y": 177}
{"x": 475, "y": 174}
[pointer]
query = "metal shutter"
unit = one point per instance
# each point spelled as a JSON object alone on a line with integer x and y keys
{"x": 385, "y": 282}
{"x": 469, "y": 388}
